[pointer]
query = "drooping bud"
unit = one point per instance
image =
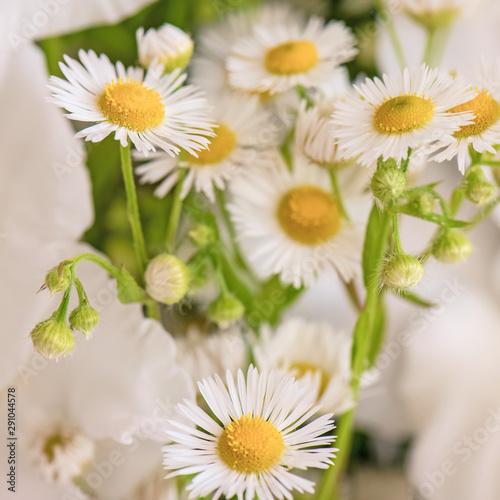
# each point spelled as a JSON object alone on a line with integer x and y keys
{"x": 202, "y": 235}
{"x": 402, "y": 271}
{"x": 58, "y": 279}
{"x": 422, "y": 204}
{"x": 168, "y": 44}
{"x": 52, "y": 338}
{"x": 388, "y": 182}
{"x": 476, "y": 187}
{"x": 167, "y": 279}
{"x": 225, "y": 310}
{"x": 84, "y": 319}
{"x": 451, "y": 247}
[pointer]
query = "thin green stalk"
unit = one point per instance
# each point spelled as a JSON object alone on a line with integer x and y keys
{"x": 428, "y": 57}
{"x": 82, "y": 296}
{"x": 393, "y": 36}
{"x": 175, "y": 210}
{"x": 480, "y": 216}
{"x": 96, "y": 259}
{"x": 62, "y": 311}
{"x": 353, "y": 295}
{"x": 398, "y": 248}
{"x": 338, "y": 195}
{"x": 133, "y": 208}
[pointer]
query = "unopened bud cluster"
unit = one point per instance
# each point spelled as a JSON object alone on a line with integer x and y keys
{"x": 402, "y": 271}
{"x": 476, "y": 187}
{"x": 167, "y": 279}
{"x": 451, "y": 247}
{"x": 388, "y": 182}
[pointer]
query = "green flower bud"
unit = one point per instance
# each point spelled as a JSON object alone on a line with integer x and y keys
{"x": 167, "y": 279}
{"x": 58, "y": 279}
{"x": 225, "y": 310}
{"x": 84, "y": 319}
{"x": 168, "y": 44}
{"x": 432, "y": 19}
{"x": 422, "y": 204}
{"x": 451, "y": 247}
{"x": 52, "y": 338}
{"x": 402, "y": 271}
{"x": 476, "y": 187}
{"x": 202, "y": 235}
{"x": 388, "y": 182}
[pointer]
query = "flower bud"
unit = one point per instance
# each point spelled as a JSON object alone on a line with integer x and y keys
{"x": 52, "y": 338}
{"x": 225, "y": 310}
{"x": 58, "y": 279}
{"x": 388, "y": 182}
{"x": 432, "y": 19}
{"x": 422, "y": 204}
{"x": 167, "y": 279}
{"x": 451, "y": 247}
{"x": 476, "y": 187}
{"x": 402, "y": 271}
{"x": 202, "y": 235}
{"x": 84, "y": 319}
{"x": 168, "y": 44}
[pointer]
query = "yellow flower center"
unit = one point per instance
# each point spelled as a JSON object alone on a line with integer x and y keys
{"x": 132, "y": 105}
{"x": 487, "y": 112}
{"x": 250, "y": 444}
{"x": 309, "y": 215}
{"x": 295, "y": 56}
{"x": 53, "y": 442}
{"x": 402, "y": 114}
{"x": 219, "y": 148}
{"x": 300, "y": 369}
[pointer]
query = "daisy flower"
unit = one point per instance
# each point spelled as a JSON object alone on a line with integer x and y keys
{"x": 437, "y": 13}
{"x": 316, "y": 355}
{"x": 290, "y": 223}
{"x": 484, "y": 131}
{"x": 240, "y": 142}
{"x": 405, "y": 110}
{"x": 275, "y": 59}
{"x": 256, "y": 437}
{"x": 314, "y": 133}
{"x": 151, "y": 111}
{"x": 168, "y": 44}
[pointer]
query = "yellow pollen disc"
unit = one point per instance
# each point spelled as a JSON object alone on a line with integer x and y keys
{"x": 302, "y": 368}
{"x": 251, "y": 444}
{"x": 309, "y": 215}
{"x": 487, "y": 112}
{"x": 296, "y": 56}
{"x": 132, "y": 105}
{"x": 219, "y": 148}
{"x": 402, "y": 114}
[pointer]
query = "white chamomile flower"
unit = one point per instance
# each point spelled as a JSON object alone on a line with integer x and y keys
{"x": 437, "y": 13}
{"x": 275, "y": 59}
{"x": 167, "y": 44}
{"x": 151, "y": 111}
{"x": 240, "y": 142}
{"x": 484, "y": 131}
{"x": 314, "y": 132}
{"x": 256, "y": 437}
{"x": 290, "y": 223}
{"x": 405, "y": 110}
{"x": 316, "y": 355}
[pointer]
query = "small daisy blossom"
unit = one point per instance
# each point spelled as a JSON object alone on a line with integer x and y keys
{"x": 168, "y": 44}
{"x": 405, "y": 110}
{"x": 484, "y": 131}
{"x": 257, "y": 436}
{"x": 314, "y": 134}
{"x": 151, "y": 111}
{"x": 240, "y": 142}
{"x": 279, "y": 58}
{"x": 316, "y": 355}
{"x": 438, "y": 13}
{"x": 290, "y": 223}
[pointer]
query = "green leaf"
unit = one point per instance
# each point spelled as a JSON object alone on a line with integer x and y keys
{"x": 375, "y": 243}
{"x": 415, "y": 299}
{"x": 378, "y": 332}
{"x": 128, "y": 289}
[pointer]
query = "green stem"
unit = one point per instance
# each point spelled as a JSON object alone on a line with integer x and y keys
{"x": 338, "y": 195}
{"x": 429, "y": 47}
{"x": 353, "y": 295}
{"x": 398, "y": 248}
{"x": 82, "y": 296}
{"x": 62, "y": 311}
{"x": 175, "y": 211}
{"x": 96, "y": 259}
{"x": 303, "y": 95}
{"x": 480, "y": 216}
{"x": 133, "y": 208}
{"x": 393, "y": 36}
